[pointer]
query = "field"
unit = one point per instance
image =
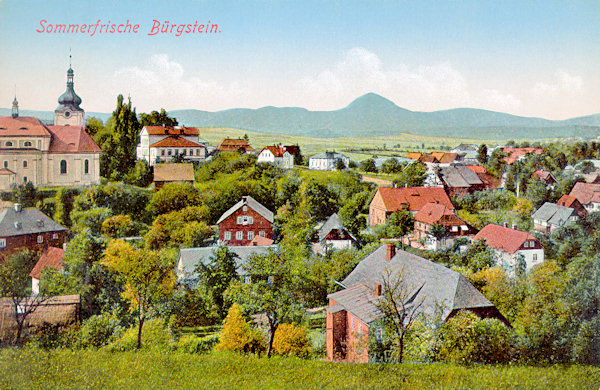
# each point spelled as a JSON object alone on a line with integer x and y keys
{"x": 65, "y": 369}
{"x": 381, "y": 146}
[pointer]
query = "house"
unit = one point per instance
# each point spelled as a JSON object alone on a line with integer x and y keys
{"x": 443, "y": 158}
{"x": 389, "y": 200}
{"x": 550, "y": 217}
{"x": 333, "y": 235}
{"x": 460, "y": 180}
{"x": 353, "y": 313}
{"x": 514, "y": 154}
{"x": 545, "y": 177}
{"x": 51, "y": 257}
{"x": 28, "y": 228}
{"x": 234, "y": 145}
{"x": 59, "y": 155}
{"x": 489, "y": 181}
{"x": 280, "y": 156}
{"x": 433, "y": 214}
{"x": 190, "y": 258}
{"x": 572, "y": 202}
{"x": 162, "y": 143}
{"x": 466, "y": 153}
{"x": 173, "y": 173}
{"x": 245, "y": 220}
{"x": 511, "y": 244}
{"x": 327, "y": 161}
{"x": 588, "y": 195}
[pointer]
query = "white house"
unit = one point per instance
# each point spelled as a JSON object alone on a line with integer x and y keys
{"x": 333, "y": 235}
{"x": 327, "y": 161}
{"x": 162, "y": 143}
{"x": 510, "y": 245}
{"x": 280, "y": 156}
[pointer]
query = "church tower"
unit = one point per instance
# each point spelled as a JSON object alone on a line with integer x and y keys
{"x": 15, "y": 108}
{"x": 68, "y": 113}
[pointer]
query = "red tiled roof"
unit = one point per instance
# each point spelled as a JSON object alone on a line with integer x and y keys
{"x": 234, "y": 145}
{"x": 543, "y": 175}
{"x": 277, "y": 151}
{"x": 515, "y": 153}
{"x": 477, "y": 168}
{"x": 566, "y": 201}
{"x": 413, "y": 198}
{"x": 444, "y": 158}
{"x": 260, "y": 241}
{"x": 172, "y": 130}
{"x": 71, "y": 139}
{"x": 52, "y": 257}
{"x": 503, "y": 238}
{"x": 586, "y": 193}
{"x": 176, "y": 141}
{"x": 22, "y": 126}
{"x": 292, "y": 149}
{"x": 414, "y": 156}
{"x": 432, "y": 213}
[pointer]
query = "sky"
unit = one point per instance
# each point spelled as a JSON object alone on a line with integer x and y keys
{"x": 529, "y": 58}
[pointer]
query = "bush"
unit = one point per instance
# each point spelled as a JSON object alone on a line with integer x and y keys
{"x": 291, "y": 340}
{"x": 318, "y": 343}
{"x": 156, "y": 336}
{"x": 51, "y": 336}
{"x": 194, "y": 344}
{"x": 99, "y": 330}
{"x": 237, "y": 334}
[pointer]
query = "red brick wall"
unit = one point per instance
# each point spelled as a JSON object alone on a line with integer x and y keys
{"x": 357, "y": 340}
{"x": 29, "y": 241}
{"x": 230, "y": 225}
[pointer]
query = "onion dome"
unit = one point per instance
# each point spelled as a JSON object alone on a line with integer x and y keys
{"x": 69, "y": 99}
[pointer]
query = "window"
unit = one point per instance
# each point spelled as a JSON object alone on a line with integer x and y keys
{"x": 197, "y": 152}
{"x": 8, "y": 143}
{"x": 169, "y": 152}
{"x": 2, "y": 242}
{"x": 191, "y": 152}
{"x": 24, "y": 179}
{"x": 454, "y": 228}
{"x": 247, "y": 279}
{"x": 63, "y": 167}
{"x": 40, "y": 239}
{"x": 239, "y": 220}
{"x": 261, "y": 233}
{"x": 55, "y": 236}
{"x": 250, "y": 235}
{"x": 531, "y": 244}
{"x": 227, "y": 236}
{"x": 24, "y": 163}
{"x": 176, "y": 151}
{"x": 86, "y": 167}
{"x": 239, "y": 236}
{"x": 5, "y": 164}
{"x": 526, "y": 244}
{"x": 245, "y": 208}
{"x": 27, "y": 143}
{"x": 184, "y": 151}
{"x": 162, "y": 152}
{"x": 535, "y": 257}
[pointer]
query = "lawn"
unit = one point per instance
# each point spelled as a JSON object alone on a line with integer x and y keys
{"x": 65, "y": 369}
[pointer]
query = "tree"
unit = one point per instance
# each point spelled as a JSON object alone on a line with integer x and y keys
{"x": 399, "y": 224}
{"x": 93, "y": 126}
{"x": 156, "y": 118}
{"x": 119, "y": 156}
{"x": 298, "y": 158}
{"x": 148, "y": 277}
{"x": 399, "y": 311}
{"x": 339, "y": 164}
{"x": 237, "y": 334}
{"x": 413, "y": 175}
{"x": 275, "y": 280}
{"x": 368, "y": 165}
{"x": 391, "y": 165}
{"x": 14, "y": 284}
{"x": 482, "y": 154}
{"x": 218, "y": 274}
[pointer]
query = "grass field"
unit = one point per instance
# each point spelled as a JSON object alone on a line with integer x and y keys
{"x": 394, "y": 144}
{"x": 65, "y": 369}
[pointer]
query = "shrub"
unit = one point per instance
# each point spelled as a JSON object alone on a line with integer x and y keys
{"x": 51, "y": 336}
{"x": 318, "y": 346}
{"x": 291, "y": 340}
{"x": 156, "y": 337}
{"x": 194, "y": 344}
{"x": 99, "y": 330}
{"x": 237, "y": 334}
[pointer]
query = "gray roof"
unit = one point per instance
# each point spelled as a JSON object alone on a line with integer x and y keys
{"x": 333, "y": 222}
{"x": 253, "y": 204}
{"x": 459, "y": 176}
{"x": 190, "y": 257}
{"x": 329, "y": 155}
{"x": 26, "y": 221}
{"x": 554, "y": 214}
{"x": 432, "y": 284}
{"x": 359, "y": 300}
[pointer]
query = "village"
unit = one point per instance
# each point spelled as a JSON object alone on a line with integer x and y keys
{"x": 137, "y": 233}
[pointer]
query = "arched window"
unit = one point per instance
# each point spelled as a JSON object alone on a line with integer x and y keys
{"x": 86, "y": 167}
{"x": 8, "y": 143}
{"x": 24, "y": 163}
{"x": 63, "y": 167}
{"x": 27, "y": 143}
{"x": 5, "y": 164}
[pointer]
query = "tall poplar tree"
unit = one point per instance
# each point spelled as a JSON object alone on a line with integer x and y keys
{"x": 119, "y": 148}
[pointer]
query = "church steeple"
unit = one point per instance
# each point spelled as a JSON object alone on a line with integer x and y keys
{"x": 68, "y": 112}
{"x": 15, "y": 107}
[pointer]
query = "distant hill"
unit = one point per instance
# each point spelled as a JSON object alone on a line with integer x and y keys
{"x": 373, "y": 115}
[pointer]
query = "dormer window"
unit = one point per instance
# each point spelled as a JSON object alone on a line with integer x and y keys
{"x": 9, "y": 143}
{"x": 18, "y": 225}
{"x": 27, "y": 144}
{"x": 39, "y": 222}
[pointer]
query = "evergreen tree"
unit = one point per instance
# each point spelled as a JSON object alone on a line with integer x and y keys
{"x": 156, "y": 118}
{"x": 482, "y": 154}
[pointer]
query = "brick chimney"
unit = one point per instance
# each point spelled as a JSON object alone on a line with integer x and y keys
{"x": 377, "y": 289}
{"x": 514, "y": 226}
{"x": 505, "y": 224}
{"x": 390, "y": 250}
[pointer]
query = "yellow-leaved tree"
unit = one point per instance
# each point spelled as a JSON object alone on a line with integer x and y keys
{"x": 237, "y": 334}
{"x": 148, "y": 277}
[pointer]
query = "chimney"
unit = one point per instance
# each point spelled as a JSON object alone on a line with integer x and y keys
{"x": 377, "y": 289}
{"x": 505, "y": 224}
{"x": 514, "y": 226}
{"x": 18, "y": 207}
{"x": 390, "y": 250}
{"x": 64, "y": 246}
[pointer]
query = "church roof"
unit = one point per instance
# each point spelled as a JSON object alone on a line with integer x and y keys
{"x": 71, "y": 139}
{"x": 25, "y": 126}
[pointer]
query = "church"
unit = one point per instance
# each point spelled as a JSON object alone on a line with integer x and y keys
{"x": 62, "y": 154}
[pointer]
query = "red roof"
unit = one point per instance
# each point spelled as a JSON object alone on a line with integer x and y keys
{"x": 432, "y": 213}
{"x": 277, "y": 151}
{"x": 22, "y": 126}
{"x": 234, "y": 145}
{"x": 292, "y": 149}
{"x": 413, "y": 198}
{"x": 260, "y": 241}
{"x": 71, "y": 139}
{"x": 515, "y": 153}
{"x": 586, "y": 193}
{"x": 176, "y": 141}
{"x": 477, "y": 168}
{"x": 503, "y": 238}
{"x": 172, "y": 130}
{"x": 52, "y": 257}
{"x": 566, "y": 201}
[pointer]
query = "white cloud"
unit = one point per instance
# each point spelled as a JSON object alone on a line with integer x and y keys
{"x": 559, "y": 97}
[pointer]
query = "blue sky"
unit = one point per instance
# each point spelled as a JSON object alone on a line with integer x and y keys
{"x": 531, "y": 58}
